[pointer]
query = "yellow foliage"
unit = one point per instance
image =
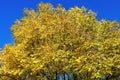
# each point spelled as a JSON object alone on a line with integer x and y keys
{"x": 53, "y": 41}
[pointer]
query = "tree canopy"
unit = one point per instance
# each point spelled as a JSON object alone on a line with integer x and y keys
{"x": 53, "y": 41}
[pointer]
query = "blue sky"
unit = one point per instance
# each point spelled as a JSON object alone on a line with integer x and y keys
{"x": 11, "y": 10}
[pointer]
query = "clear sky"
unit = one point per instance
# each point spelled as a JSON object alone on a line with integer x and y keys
{"x": 11, "y": 10}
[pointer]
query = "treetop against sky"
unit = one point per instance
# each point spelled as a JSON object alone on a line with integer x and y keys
{"x": 51, "y": 41}
{"x": 12, "y": 10}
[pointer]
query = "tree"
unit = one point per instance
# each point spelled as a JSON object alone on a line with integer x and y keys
{"x": 52, "y": 41}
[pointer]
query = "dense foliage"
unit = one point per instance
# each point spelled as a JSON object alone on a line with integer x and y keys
{"x": 52, "y": 41}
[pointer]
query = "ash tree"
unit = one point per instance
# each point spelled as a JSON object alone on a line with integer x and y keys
{"x": 53, "y": 41}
